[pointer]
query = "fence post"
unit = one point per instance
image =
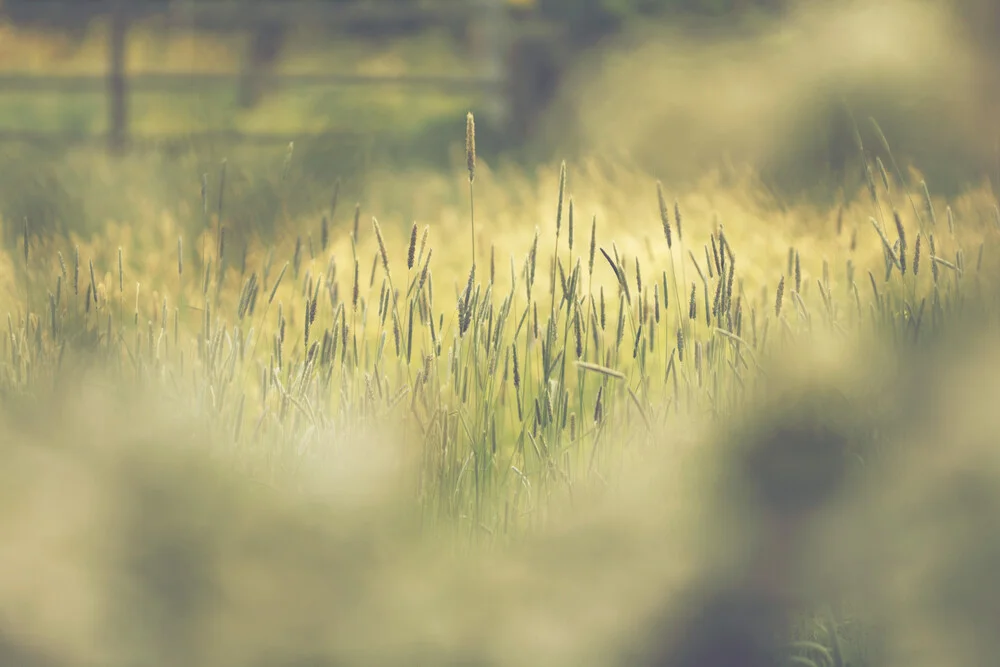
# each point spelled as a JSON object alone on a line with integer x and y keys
{"x": 117, "y": 83}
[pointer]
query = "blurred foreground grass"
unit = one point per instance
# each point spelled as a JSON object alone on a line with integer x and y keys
{"x": 648, "y": 430}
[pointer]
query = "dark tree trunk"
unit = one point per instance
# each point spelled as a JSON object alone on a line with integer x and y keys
{"x": 263, "y": 51}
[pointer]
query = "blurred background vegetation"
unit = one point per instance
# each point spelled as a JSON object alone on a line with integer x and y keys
{"x": 540, "y": 75}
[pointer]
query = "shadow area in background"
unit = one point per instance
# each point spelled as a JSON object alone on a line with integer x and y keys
{"x": 680, "y": 97}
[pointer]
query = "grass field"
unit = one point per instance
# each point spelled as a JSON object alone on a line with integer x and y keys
{"x": 300, "y": 406}
{"x": 571, "y": 419}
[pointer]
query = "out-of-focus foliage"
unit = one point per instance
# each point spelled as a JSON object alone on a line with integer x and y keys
{"x": 676, "y": 101}
{"x": 585, "y": 18}
{"x": 609, "y": 14}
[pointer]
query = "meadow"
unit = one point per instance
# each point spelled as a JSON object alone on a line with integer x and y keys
{"x": 643, "y": 432}
{"x": 275, "y": 408}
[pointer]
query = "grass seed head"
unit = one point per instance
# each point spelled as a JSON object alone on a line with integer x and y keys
{"x": 578, "y": 335}
{"x": 411, "y": 252}
{"x": 423, "y": 273}
{"x": 656, "y": 302}
{"x": 470, "y": 145}
{"x": 570, "y": 224}
{"x": 798, "y": 273}
{"x": 901, "y": 232}
{"x": 779, "y": 296}
{"x": 562, "y": 194}
{"x": 355, "y": 292}
{"x": 928, "y": 203}
{"x": 423, "y": 242}
{"x": 664, "y": 215}
{"x": 677, "y": 220}
{"x": 381, "y": 245}
{"x": 93, "y": 282}
{"x": 76, "y": 271}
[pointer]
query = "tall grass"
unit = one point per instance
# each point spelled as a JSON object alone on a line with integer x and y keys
{"x": 489, "y": 384}
{"x": 505, "y": 399}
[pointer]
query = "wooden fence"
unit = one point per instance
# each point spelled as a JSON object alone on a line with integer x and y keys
{"x": 119, "y": 80}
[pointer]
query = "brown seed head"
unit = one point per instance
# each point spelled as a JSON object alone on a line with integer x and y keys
{"x": 381, "y": 245}
{"x": 470, "y": 145}
{"x": 664, "y": 215}
{"x": 780, "y": 295}
{"x": 412, "y": 252}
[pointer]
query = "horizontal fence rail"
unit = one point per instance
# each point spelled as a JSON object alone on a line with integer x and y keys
{"x": 169, "y": 82}
{"x": 56, "y": 139}
{"x": 241, "y": 12}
